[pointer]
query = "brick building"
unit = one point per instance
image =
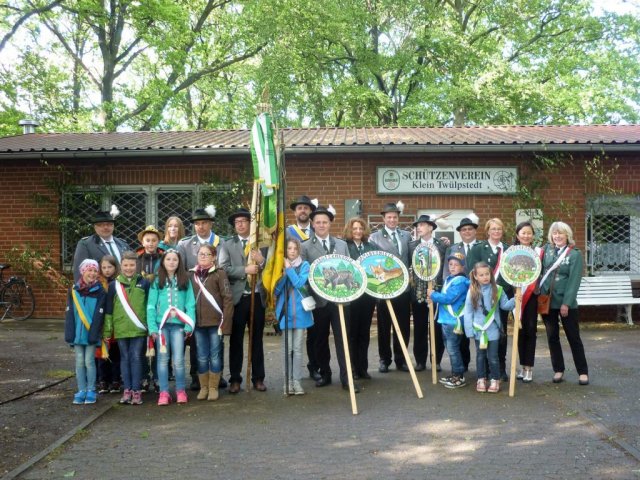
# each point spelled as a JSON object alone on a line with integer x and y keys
{"x": 593, "y": 183}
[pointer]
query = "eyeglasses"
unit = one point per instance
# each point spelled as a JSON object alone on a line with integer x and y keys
{"x": 241, "y": 220}
{"x": 204, "y": 255}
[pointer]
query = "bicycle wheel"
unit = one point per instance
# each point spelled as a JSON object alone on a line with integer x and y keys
{"x": 20, "y": 300}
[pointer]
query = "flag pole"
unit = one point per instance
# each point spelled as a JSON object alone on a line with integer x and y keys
{"x": 255, "y": 221}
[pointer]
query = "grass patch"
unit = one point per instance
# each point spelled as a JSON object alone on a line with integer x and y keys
{"x": 59, "y": 374}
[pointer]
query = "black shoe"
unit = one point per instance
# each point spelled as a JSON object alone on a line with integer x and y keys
{"x": 365, "y": 376}
{"x": 222, "y": 384}
{"x": 383, "y": 368}
{"x": 323, "y": 381}
{"x": 438, "y": 368}
{"x": 314, "y": 374}
{"x": 195, "y": 383}
{"x": 420, "y": 367}
{"x": 356, "y": 376}
{"x": 504, "y": 377}
{"x": 356, "y": 388}
{"x": 403, "y": 367}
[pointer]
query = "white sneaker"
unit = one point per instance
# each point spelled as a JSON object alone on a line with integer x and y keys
{"x": 528, "y": 376}
{"x": 297, "y": 388}
{"x": 520, "y": 375}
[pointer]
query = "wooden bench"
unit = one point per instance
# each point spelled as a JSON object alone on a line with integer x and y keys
{"x": 608, "y": 290}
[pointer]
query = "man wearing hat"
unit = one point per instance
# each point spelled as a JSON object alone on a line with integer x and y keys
{"x": 468, "y": 230}
{"x": 425, "y": 226}
{"x": 302, "y": 208}
{"x": 101, "y": 243}
{"x": 326, "y": 314}
{"x": 393, "y": 240}
{"x": 202, "y": 220}
{"x": 240, "y": 262}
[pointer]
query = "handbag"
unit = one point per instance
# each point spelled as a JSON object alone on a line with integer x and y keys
{"x": 544, "y": 301}
{"x": 308, "y": 303}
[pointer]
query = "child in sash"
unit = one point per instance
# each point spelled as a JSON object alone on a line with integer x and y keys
{"x": 452, "y": 300}
{"x": 170, "y": 316}
{"x": 292, "y": 286}
{"x": 109, "y": 364}
{"x": 126, "y": 321}
{"x": 482, "y": 322}
{"x": 214, "y": 316}
{"x": 82, "y": 327}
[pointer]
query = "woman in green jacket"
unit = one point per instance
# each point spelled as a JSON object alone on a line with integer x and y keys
{"x": 562, "y": 266}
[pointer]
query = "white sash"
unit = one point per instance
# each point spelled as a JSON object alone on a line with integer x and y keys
{"x": 564, "y": 253}
{"x": 124, "y": 300}
{"x": 182, "y": 316}
{"x": 212, "y": 301}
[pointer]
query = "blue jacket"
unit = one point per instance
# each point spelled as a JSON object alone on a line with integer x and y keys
{"x": 75, "y": 332}
{"x": 454, "y": 293}
{"x": 294, "y": 279}
{"x": 158, "y": 303}
{"x": 471, "y": 314}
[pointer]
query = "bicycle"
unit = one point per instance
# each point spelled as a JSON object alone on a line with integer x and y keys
{"x": 16, "y": 296}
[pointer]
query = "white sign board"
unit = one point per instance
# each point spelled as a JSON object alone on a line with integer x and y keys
{"x": 446, "y": 180}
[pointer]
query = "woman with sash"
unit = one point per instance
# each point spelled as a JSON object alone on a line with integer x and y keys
{"x": 82, "y": 328}
{"x": 562, "y": 266}
{"x": 525, "y": 236}
{"x": 214, "y": 317}
{"x": 360, "y": 312}
{"x": 126, "y": 321}
{"x": 170, "y": 317}
{"x": 490, "y": 252}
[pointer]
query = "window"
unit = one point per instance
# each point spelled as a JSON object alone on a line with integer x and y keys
{"x": 141, "y": 206}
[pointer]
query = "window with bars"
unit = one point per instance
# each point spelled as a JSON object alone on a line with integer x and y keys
{"x": 141, "y": 206}
{"x": 613, "y": 235}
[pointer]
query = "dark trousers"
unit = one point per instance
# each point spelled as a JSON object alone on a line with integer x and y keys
{"x": 421, "y": 337}
{"x": 360, "y": 315}
{"x": 385, "y": 325}
{"x": 241, "y": 314}
{"x": 527, "y": 335}
{"x": 109, "y": 368}
{"x": 325, "y": 317}
{"x": 502, "y": 343}
{"x": 465, "y": 352}
{"x": 572, "y": 331}
{"x": 312, "y": 365}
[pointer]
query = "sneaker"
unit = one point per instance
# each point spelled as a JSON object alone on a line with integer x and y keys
{"x": 297, "y": 388}
{"x": 456, "y": 382}
{"x": 494, "y": 387}
{"x": 445, "y": 380}
{"x": 78, "y": 398}
{"x": 528, "y": 376}
{"x": 481, "y": 385}
{"x": 91, "y": 397}
{"x": 164, "y": 399}
{"x": 181, "y": 396}
{"x": 136, "y": 398}
{"x": 520, "y": 375}
{"x": 126, "y": 397}
{"x": 290, "y": 390}
{"x": 103, "y": 387}
{"x": 115, "y": 387}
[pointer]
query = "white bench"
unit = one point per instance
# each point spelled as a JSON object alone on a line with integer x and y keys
{"x": 608, "y": 290}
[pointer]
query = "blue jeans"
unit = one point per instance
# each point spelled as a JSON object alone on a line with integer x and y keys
{"x": 294, "y": 355}
{"x": 85, "y": 367}
{"x": 209, "y": 349}
{"x": 131, "y": 362}
{"x": 452, "y": 342}
{"x": 174, "y": 342}
{"x": 490, "y": 353}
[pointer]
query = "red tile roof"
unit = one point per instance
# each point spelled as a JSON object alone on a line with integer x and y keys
{"x": 557, "y": 137}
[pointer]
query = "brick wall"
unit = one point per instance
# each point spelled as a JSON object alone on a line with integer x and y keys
{"x": 330, "y": 178}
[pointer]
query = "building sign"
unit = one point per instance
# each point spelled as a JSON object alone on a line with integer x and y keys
{"x": 446, "y": 180}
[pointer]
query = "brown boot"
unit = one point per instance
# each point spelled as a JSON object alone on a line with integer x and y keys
{"x": 214, "y": 378}
{"x": 204, "y": 386}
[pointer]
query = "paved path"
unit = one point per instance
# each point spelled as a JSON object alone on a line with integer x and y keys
{"x": 547, "y": 431}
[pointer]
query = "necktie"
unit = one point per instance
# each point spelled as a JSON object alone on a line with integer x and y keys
{"x": 247, "y": 284}
{"x": 244, "y": 247}
{"x": 395, "y": 241}
{"x": 324, "y": 245}
{"x": 466, "y": 249}
{"x": 361, "y": 249}
{"x": 113, "y": 253}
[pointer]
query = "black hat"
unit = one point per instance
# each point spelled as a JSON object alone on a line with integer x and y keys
{"x": 322, "y": 210}
{"x": 241, "y": 212}
{"x": 102, "y": 217}
{"x": 465, "y": 222}
{"x": 425, "y": 219}
{"x": 302, "y": 200}
{"x": 204, "y": 214}
{"x": 390, "y": 208}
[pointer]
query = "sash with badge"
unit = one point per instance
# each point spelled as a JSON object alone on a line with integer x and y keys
{"x": 212, "y": 301}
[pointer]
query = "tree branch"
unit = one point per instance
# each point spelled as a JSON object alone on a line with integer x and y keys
{"x": 24, "y": 18}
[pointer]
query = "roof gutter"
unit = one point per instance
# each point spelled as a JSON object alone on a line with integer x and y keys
{"x": 327, "y": 150}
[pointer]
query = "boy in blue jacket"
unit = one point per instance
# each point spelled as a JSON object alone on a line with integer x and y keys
{"x": 451, "y": 302}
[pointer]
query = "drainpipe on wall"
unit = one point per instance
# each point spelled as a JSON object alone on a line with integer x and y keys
{"x": 28, "y": 126}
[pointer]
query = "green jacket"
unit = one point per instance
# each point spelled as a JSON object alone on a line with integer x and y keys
{"x": 567, "y": 277}
{"x": 161, "y": 299}
{"x": 116, "y": 321}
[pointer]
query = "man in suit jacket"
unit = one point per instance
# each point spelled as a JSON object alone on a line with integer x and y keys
{"x": 240, "y": 263}
{"x": 468, "y": 230}
{"x": 425, "y": 227}
{"x": 101, "y": 243}
{"x": 202, "y": 220}
{"x": 326, "y": 313}
{"x": 395, "y": 241}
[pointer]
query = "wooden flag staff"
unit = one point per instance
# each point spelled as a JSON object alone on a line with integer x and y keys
{"x": 514, "y": 345}
{"x": 347, "y": 358}
{"x": 432, "y": 340}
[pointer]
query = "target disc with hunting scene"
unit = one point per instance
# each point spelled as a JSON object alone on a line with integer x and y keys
{"x": 337, "y": 278}
{"x": 387, "y": 276}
